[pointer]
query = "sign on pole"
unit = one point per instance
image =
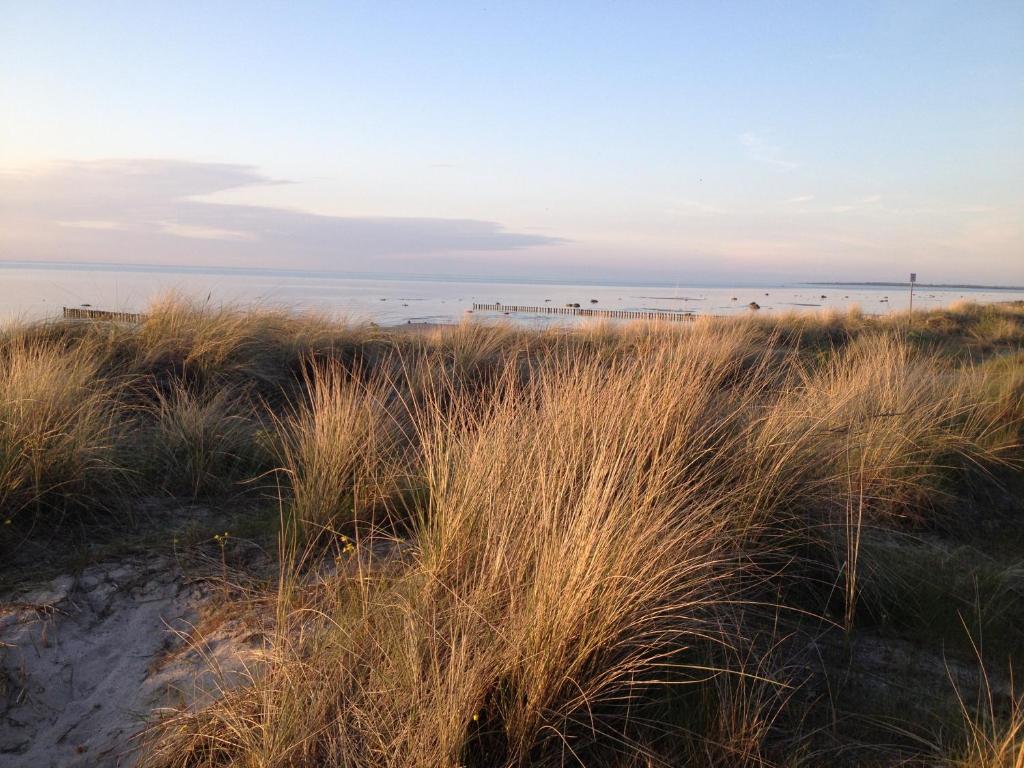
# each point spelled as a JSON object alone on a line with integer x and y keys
{"x": 913, "y": 277}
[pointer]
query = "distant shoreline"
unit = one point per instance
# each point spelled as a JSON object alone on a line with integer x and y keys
{"x": 195, "y": 269}
{"x": 965, "y": 286}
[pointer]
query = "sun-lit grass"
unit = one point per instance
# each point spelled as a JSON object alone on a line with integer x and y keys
{"x": 581, "y": 549}
{"x": 341, "y": 448}
{"x": 893, "y": 419}
{"x": 994, "y": 741}
{"x": 992, "y": 734}
{"x": 573, "y": 563}
{"x": 55, "y": 426}
{"x": 515, "y": 547}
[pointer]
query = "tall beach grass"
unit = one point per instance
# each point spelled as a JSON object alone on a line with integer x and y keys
{"x": 505, "y": 547}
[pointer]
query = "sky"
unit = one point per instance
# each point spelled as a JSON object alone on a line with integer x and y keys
{"x": 692, "y": 142}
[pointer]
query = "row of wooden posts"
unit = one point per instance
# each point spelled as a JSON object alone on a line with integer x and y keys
{"x": 76, "y": 313}
{"x": 620, "y": 314}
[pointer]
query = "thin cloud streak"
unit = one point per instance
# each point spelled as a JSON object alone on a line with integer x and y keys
{"x": 147, "y": 210}
{"x": 760, "y": 148}
{"x": 694, "y": 208}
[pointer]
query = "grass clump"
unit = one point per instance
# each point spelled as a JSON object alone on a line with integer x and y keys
{"x": 341, "y": 448}
{"x": 992, "y": 740}
{"x": 202, "y": 445}
{"x": 894, "y": 420}
{"x": 56, "y": 428}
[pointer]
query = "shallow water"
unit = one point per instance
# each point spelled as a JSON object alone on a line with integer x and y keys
{"x": 34, "y": 292}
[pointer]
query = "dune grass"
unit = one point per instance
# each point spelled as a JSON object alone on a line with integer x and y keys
{"x": 201, "y": 444}
{"x": 56, "y": 427}
{"x": 564, "y": 580}
{"x": 994, "y": 740}
{"x": 341, "y": 448}
{"x": 567, "y": 547}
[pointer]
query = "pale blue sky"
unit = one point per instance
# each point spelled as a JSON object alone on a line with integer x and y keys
{"x": 682, "y": 141}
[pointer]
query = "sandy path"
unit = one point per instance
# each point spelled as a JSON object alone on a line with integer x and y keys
{"x": 81, "y": 662}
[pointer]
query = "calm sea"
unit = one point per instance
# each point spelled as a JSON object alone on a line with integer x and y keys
{"x": 40, "y": 291}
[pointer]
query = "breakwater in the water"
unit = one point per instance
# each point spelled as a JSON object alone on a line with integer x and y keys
{"x": 618, "y": 314}
{"x": 74, "y": 313}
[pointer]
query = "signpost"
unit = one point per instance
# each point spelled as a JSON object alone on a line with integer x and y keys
{"x": 913, "y": 279}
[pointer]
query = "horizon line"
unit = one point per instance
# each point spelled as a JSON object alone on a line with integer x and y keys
{"x": 112, "y": 266}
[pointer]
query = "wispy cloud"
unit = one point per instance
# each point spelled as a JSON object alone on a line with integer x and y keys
{"x": 761, "y": 148}
{"x": 694, "y": 208}
{"x": 148, "y": 210}
{"x": 864, "y": 203}
{"x": 90, "y": 224}
{"x": 205, "y": 232}
{"x": 798, "y": 200}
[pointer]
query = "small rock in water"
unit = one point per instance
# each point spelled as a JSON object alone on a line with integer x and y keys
{"x": 754, "y": 304}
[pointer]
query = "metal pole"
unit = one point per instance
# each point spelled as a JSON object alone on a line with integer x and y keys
{"x": 913, "y": 279}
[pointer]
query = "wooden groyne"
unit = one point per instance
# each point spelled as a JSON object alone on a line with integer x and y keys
{"x": 618, "y": 314}
{"x": 76, "y": 313}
